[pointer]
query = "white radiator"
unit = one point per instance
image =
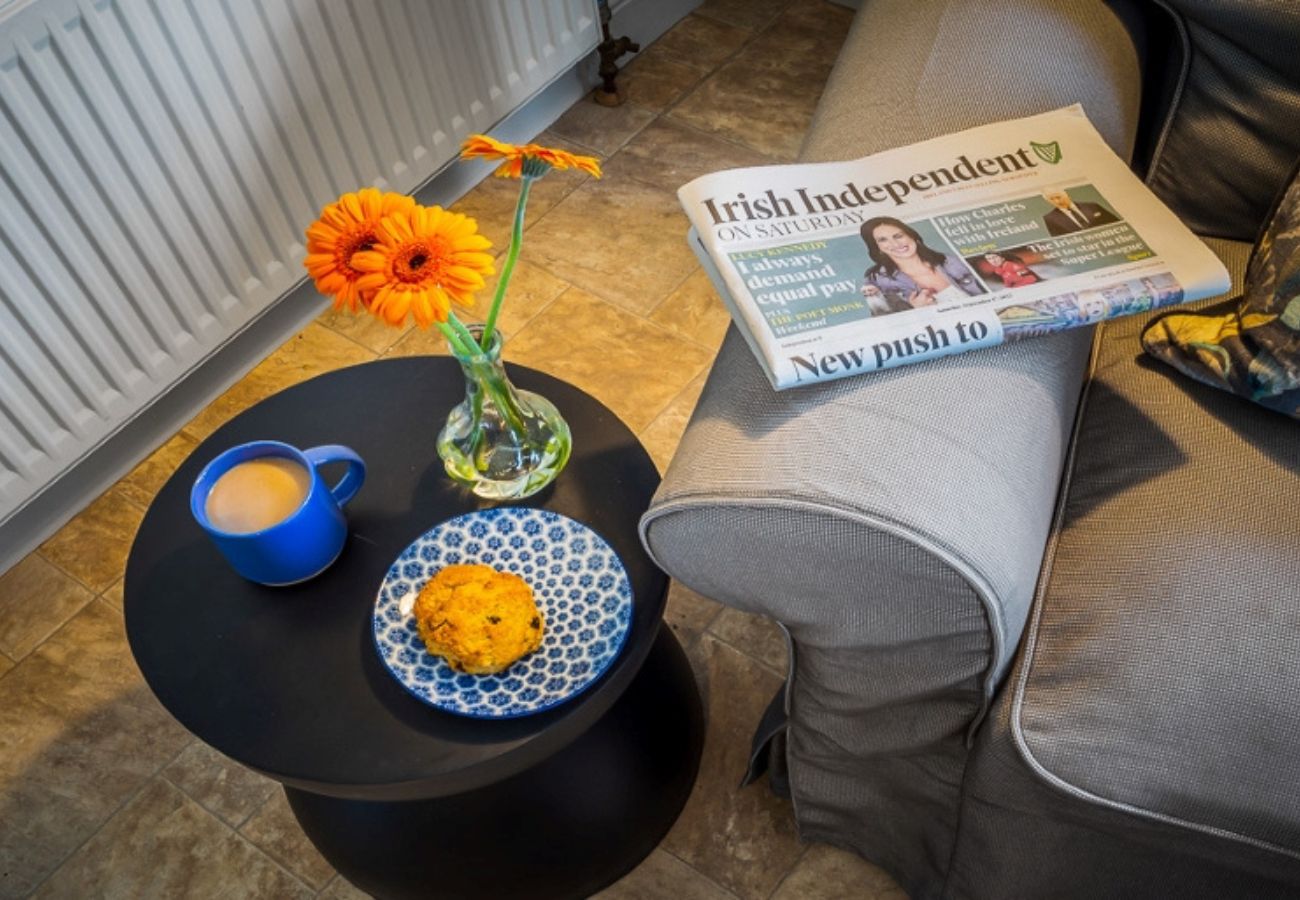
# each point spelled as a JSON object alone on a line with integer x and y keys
{"x": 160, "y": 159}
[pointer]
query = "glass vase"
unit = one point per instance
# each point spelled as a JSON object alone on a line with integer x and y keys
{"x": 501, "y": 442}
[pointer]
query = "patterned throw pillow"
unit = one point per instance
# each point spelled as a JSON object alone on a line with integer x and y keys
{"x": 1253, "y": 351}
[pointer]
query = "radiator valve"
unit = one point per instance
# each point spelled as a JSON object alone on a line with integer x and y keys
{"x": 610, "y": 49}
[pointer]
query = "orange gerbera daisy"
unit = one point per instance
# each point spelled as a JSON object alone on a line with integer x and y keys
{"x": 424, "y": 259}
{"x": 480, "y": 146}
{"x": 346, "y": 226}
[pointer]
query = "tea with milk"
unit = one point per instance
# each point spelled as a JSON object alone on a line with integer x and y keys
{"x": 257, "y": 494}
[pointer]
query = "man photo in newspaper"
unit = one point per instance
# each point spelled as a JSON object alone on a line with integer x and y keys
{"x": 1069, "y": 216}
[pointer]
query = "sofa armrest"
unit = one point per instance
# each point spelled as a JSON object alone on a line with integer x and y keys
{"x": 907, "y": 510}
{"x": 895, "y": 522}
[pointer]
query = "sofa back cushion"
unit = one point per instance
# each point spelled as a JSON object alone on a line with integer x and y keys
{"x": 1233, "y": 128}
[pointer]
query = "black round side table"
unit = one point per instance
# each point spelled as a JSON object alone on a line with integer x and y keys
{"x": 403, "y": 799}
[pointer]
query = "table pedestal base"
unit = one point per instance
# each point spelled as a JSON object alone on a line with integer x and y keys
{"x": 564, "y": 829}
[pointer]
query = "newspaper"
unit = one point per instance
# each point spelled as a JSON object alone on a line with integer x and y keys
{"x": 998, "y": 233}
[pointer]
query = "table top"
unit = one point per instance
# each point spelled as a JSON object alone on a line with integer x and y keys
{"x": 287, "y": 680}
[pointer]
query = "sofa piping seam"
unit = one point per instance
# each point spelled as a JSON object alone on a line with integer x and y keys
{"x": 1177, "y": 100}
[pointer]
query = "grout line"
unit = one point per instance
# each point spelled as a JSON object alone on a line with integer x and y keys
{"x": 533, "y": 220}
{"x": 807, "y": 848}
{"x": 768, "y": 667}
{"x": 273, "y": 861}
{"x": 130, "y": 798}
{"x": 373, "y": 353}
{"x": 687, "y": 863}
{"x": 703, "y": 13}
{"x": 663, "y": 412}
{"x": 724, "y": 61}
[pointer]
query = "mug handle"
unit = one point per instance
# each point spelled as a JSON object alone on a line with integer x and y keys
{"x": 348, "y": 486}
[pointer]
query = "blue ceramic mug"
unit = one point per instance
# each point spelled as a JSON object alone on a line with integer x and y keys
{"x": 309, "y": 539}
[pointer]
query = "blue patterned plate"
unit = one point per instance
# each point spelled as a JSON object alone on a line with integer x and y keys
{"x": 578, "y": 583}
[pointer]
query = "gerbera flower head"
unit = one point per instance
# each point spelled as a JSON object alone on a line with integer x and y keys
{"x": 480, "y": 146}
{"x": 424, "y": 259}
{"x": 347, "y": 226}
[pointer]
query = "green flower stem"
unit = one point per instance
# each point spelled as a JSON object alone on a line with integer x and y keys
{"x": 516, "y": 241}
{"x": 470, "y": 345}
{"x": 509, "y": 412}
{"x": 462, "y": 343}
{"x": 454, "y": 339}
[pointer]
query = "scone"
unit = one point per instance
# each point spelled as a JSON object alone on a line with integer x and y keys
{"x": 478, "y": 619}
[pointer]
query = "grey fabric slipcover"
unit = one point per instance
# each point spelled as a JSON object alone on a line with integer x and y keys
{"x": 896, "y": 525}
{"x": 917, "y": 543}
{"x": 1152, "y": 722}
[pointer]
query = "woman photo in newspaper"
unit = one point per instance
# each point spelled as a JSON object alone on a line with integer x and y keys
{"x": 907, "y": 273}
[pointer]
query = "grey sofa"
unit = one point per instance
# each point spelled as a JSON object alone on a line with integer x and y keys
{"x": 1043, "y": 600}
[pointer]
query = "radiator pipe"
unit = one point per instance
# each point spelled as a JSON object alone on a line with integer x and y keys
{"x": 610, "y": 49}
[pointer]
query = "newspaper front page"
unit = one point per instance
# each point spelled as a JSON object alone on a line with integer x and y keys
{"x": 998, "y": 233}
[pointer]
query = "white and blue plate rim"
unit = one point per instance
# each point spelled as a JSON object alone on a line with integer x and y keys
{"x": 610, "y": 643}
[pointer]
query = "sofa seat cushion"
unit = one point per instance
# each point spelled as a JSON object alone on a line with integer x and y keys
{"x": 1161, "y": 670}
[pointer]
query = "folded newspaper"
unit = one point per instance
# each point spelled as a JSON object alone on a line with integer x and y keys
{"x": 994, "y": 234}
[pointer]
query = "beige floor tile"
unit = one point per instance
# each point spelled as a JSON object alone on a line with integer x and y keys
{"x": 657, "y": 78}
{"x": 668, "y": 154}
{"x": 662, "y": 876}
{"x": 146, "y": 479}
{"x": 112, "y": 594}
{"x": 419, "y": 342}
{"x": 660, "y": 437}
{"x": 751, "y": 15}
{"x": 765, "y": 96}
{"x": 828, "y": 873}
{"x": 530, "y": 290}
{"x": 689, "y": 614}
{"x": 633, "y": 367}
{"x": 492, "y": 202}
{"x": 162, "y": 844}
{"x": 366, "y": 329}
{"x": 727, "y": 104}
{"x": 313, "y": 351}
{"x": 742, "y": 838}
{"x": 220, "y": 785}
{"x": 701, "y": 40}
{"x": 79, "y": 734}
{"x": 5, "y": 664}
{"x": 36, "y": 598}
{"x": 93, "y": 546}
{"x": 602, "y": 128}
{"x": 755, "y": 636}
{"x": 621, "y": 240}
{"x": 342, "y": 889}
{"x": 274, "y": 829}
{"x": 695, "y": 311}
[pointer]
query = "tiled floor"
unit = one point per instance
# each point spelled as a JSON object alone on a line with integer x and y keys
{"x": 102, "y": 794}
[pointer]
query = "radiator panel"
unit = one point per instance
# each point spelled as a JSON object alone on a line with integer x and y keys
{"x": 160, "y": 159}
